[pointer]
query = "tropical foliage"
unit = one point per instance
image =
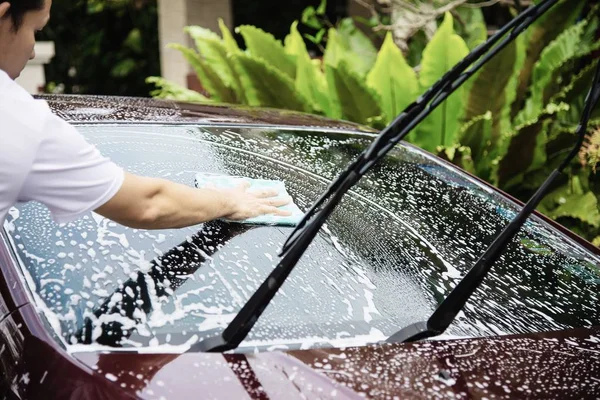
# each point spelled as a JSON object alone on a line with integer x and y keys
{"x": 510, "y": 124}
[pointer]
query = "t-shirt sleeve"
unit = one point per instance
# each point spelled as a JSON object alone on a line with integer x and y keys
{"x": 69, "y": 175}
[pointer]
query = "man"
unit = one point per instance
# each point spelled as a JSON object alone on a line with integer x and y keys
{"x": 43, "y": 158}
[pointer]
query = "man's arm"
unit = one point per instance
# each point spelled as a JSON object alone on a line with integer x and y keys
{"x": 151, "y": 203}
{"x": 71, "y": 177}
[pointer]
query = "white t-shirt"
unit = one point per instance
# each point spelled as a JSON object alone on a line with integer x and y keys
{"x": 44, "y": 158}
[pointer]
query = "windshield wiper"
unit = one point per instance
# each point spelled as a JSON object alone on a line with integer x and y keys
{"x": 314, "y": 219}
{"x": 422, "y": 107}
{"x": 443, "y": 316}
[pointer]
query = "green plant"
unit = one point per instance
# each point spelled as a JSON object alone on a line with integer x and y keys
{"x": 510, "y": 124}
{"x": 522, "y": 110}
{"x": 315, "y": 18}
{"x": 350, "y": 65}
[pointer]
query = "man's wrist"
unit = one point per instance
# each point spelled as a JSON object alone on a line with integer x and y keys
{"x": 226, "y": 204}
{"x": 230, "y": 205}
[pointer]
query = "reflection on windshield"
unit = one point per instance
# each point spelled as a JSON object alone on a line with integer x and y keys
{"x": 395, "y": 247}
{"x": 124, "y": 310}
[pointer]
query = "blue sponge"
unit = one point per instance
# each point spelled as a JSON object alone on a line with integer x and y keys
{"x": 226, "y": 181}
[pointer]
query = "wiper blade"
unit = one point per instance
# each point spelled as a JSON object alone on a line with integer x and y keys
{"x": 443, "y": 316}
{"x": 314, "y": 219}
{"x": 424, "y": 105}
{"x": 245, "y": 319}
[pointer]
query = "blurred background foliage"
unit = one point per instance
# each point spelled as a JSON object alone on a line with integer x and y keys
{"x": 111, "y": 46}
{"x": 102, "y": 46}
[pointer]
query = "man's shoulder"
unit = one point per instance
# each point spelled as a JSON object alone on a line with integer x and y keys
{"x": 18, "y": 109}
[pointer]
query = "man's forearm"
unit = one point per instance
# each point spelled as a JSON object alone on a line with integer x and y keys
{"x": 152, "y": 203}
{"x": 174, "y": 206}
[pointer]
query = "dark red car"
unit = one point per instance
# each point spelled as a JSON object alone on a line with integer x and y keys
{"x": 94, "y": 310}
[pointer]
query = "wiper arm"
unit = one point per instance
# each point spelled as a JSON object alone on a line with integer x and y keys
{"x": 443, "y": 316}
{"x": 423, "y": 106}
{"x": 314, "y": 219}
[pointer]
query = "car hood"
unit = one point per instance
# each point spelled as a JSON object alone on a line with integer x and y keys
{"x": 548, "y": 364}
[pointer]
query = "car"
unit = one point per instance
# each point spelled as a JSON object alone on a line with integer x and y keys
{"x": 94, "y": 310}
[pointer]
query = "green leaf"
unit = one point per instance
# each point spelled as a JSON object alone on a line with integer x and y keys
{"x": 230, "y": 44}
{"x": 393, "y": 79}
{"x": 476, "y": 134}
{"x": 214, "y": 53}
{"x": 574, "y": 94}
{"x": 488, "y": 89}
{"x": 377, "y": 122}
{"x": 134, "y": 41}
{"x": 208, "y": 77}
{"x": 123, "y": 68}
{"x": 555, "y": 154}
{"x": 267, "y": 86}
{"x": 319, "y": 35}
{"x": 510, "y": 92}
{"x": 371, "y": 22}
{"x": 525, "y": 150}
{"x": 472, "y": 26}
{"x": 358, "y": 55}
{"x": 589, "y": 44}
{"x": 360, "y": 51}
{"x": 574, "y": 42}
{"x": 322, "y": 7}
{"x": 263, "y": 45}
{"x": 334, "y": 52}
{"x": 201, "y": 37}
{"x": 355, "y": 100}
{"x": 579, "y": 206}
{"x": 594, "y": 174}
{"x": 444, "y": 50}
{"x": 539, "y": 35}
{"x": 318, "y": 38}
{"x": 95, "y": 7}
{"x": 311, "y": 38}
{"x": 574, "y": 205}
{"x": 172, "y": 91}
{"x": 310, "y": 80}
{"x": 309, "y": 18}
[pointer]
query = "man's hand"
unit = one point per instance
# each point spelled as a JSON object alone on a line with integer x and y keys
{"x": 248, "y": 204}
{"x": 151, "y": 203}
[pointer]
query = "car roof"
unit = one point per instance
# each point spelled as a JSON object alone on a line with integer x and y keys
{"x": 106, "y": 109}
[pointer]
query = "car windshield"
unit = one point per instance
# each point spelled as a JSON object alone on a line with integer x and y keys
{"x": 397, "y": 244}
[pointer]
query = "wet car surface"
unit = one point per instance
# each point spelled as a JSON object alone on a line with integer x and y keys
{"x": 122, "y": 305}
